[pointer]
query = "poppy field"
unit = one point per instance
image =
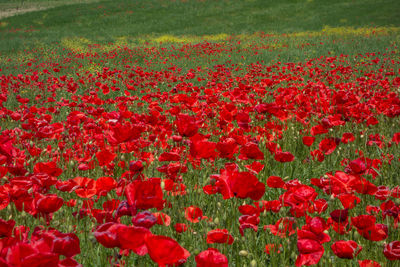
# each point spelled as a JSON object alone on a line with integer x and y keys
{"x": 261, "y": 149}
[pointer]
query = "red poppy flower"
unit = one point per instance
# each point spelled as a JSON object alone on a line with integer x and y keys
{"x": 144, "y": 219}
{"x": 250, "y": 151}
{"x": 339, "y": 183}
{"x": 105, "y": 185}
{"x": 308, "y": 140}
{"x": 347, "y": 138}
{"x": 357, "y": 166}
{"x": 340, "y": 216}
{"x": 327, "y": 145}
{"x": 284, "y": 227}
{"x": 86, "y": 187}
{"x": 275, "y": 182}
{"x": 346, "y": 249}
{"x": 23, "y": 254}
{"x": 186, "y": 125}
{"x": 299, "y": 197}
{"x": 255, "y": 167}
{"x": 133, "y": 238}
{"x": 249, "y": 210}
{"x": 136, "y": 166}
{"x": 376, "y": 233}
{"x": 219, "y": 236}
{"x": 246, "y": 225}
{"x": 349, "y": 201}
{"x": 319, "y": 205}
{"x": 145, "y": 194}
{"x": 193, "y": 214}
{"x": 66, "y": 244}
{"x": 48, "y": 204}
{"x": 392, "y": 250}
{"x": 368, "y": 263}
{"x": 162, "y": 218}
{"x": 284, "y": 156}
{"x": 211, "y": 258}
{"x": 200, "y": 148}
{"x": 396, "y": 138}
{"x": 44, "y": 180}
{"x": 165, "y": 251}
{"x": 124, "y": 209}
{"x": 227, "y": 148}
{"x": 121, "y": 133}
{"x": 249, "y": 219}
{"x": 365, "y": 187}
{"x": 106, "y": 234}
{"x": 311, "y": 252}
{"x": 49, "y": 168}
{"x": 104, "y": 157}
{"x": 245, "y": 184}
{"x": 6, "y": 228}
{"x": 314, "y": 229}
{"x": 318, "y": 129}
{"x": 317, "y": 155}
{"x": 169, "y": 156}
{"x": 180, "y": 227}
{"x": 363, "y": 221}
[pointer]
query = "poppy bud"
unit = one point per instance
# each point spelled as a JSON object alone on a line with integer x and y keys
{"x": 243, "y": 253}
{"x": 253, "y": 263}
{"x": 356, "y": 235}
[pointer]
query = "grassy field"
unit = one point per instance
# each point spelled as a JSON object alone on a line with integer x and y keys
{"x": 106, "y": 21}
{"x": 95, "y": 94}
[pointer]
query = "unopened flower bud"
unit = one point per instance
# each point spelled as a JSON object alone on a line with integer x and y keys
{"x": 243, "y": 253}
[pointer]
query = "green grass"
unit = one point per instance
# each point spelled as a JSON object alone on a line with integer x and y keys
{"x": 105, "y": 21}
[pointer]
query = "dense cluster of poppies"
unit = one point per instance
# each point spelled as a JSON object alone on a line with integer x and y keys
{"x": 145, "y": 150}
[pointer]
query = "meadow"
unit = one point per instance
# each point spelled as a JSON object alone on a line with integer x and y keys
{"x": 199, "y": 133}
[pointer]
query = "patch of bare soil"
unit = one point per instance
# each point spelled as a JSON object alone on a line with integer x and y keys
{"x": 15, "y": 11}
{"x": 9, "y": 10}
